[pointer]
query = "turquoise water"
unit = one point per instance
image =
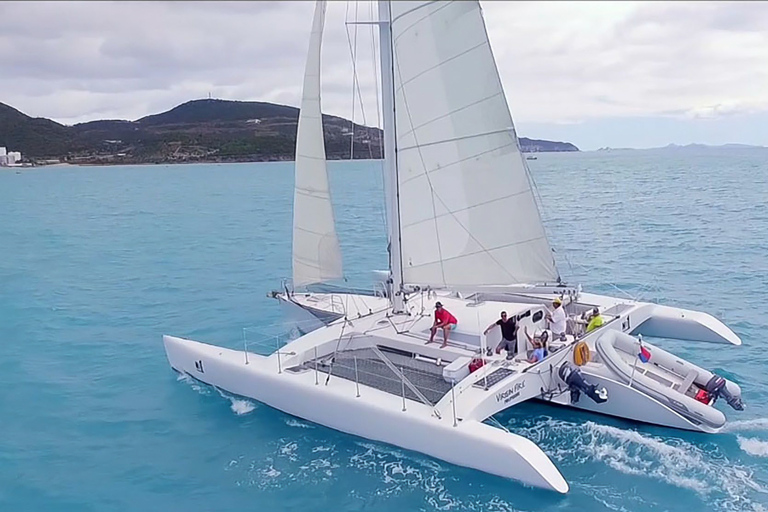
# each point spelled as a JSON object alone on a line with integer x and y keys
{"x": 97, "y": 263}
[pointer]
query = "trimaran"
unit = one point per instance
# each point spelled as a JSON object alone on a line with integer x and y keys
{"x": 464, "y": 228}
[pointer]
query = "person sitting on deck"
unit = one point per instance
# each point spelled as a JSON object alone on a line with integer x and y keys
{"x": 589, "y": 320}
{"x": 539, "y": 342}
{"x": 508, "y": 334}
{"x": 443, "y": 320}
{"x": 557, "y": 318}
{"x": 595, "y": 320}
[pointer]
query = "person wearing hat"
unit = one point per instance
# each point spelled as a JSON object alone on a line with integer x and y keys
{"x": 557, "y": 318}
{"x": 590, "y": 320}
{"x": 595, "y": 320}
{"x": 539, "y": 342}
{"x": 443, "y": 320}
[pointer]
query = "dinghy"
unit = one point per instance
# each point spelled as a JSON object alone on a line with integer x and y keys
{"x": 684, "y": 387}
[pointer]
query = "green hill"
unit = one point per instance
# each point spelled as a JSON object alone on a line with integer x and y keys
{"x": 206, "y": 130}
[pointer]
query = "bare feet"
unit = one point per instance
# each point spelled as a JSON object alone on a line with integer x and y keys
{"x": 445, "y": 343}
{"x": 427, "y": 343}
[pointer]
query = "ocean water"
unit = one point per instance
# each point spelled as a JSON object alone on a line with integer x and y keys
{"x": 97, "y": 263}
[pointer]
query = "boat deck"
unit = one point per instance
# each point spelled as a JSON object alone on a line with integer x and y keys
{"x": 367, "y": 367}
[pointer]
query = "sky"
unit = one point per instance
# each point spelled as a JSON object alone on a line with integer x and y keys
{"x": 598, "y": 74}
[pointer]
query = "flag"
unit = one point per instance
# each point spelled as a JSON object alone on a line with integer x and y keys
{"x": 644, "y": 355}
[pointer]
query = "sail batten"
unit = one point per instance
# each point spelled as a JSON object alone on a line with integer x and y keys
{"x": 468, "y": 215}
{"x": 316, "y": 252}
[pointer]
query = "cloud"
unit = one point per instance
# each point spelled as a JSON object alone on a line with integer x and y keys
{"x": 562, "y": 63}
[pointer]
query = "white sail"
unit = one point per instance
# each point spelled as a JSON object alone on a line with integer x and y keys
{"x": 316, "y": 252}
{"x": 467, "y": 211}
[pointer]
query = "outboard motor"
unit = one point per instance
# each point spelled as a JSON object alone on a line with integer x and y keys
{"x": 716, "y": 387}
{"x": 577, "y": 384}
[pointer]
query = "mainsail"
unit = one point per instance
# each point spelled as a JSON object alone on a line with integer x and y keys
{"x": 468, "y": 216}
{"x": 316, "y": 252}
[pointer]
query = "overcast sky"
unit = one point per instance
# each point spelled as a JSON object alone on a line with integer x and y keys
{"x": 634, "y": 74}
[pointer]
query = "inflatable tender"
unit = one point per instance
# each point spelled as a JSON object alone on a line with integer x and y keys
{"x": 685, "y": 388}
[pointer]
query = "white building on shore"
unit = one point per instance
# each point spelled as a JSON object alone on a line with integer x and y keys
{"x": 9, "y": 158}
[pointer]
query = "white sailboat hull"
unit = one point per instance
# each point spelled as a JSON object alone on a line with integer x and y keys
{"x": 378, "y": 416}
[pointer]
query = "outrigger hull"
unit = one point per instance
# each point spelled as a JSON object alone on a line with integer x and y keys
{"x": 379, "y": 416}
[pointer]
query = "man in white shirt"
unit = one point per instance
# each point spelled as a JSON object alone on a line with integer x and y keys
{"x": 557, "y": 318}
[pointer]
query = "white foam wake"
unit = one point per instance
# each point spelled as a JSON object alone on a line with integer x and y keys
{"x": 753, "y": 446}
{"x": 239, "y": 406}
{"x": 193, "y": 383}
{"x": 704, "y": 470}
{"x": 752, "y": 425}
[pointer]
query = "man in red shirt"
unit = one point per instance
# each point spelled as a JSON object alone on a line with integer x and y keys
{"x": 443, "y": 320}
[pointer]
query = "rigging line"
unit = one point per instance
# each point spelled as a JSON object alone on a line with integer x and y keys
{"x": 374, "y": 60}
{"x": 531, "y": 181}
{"x": 356, "y": 82}
{"x": 537, "y": 200}
{"x": 435, "y": 195}
{"x": 375, "y": 63}
{"x": 352, "y": 54}
{"x": 586, "y": 271}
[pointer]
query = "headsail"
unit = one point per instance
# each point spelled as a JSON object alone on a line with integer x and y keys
{"x": 316, "y": 252}
{"x": 467, "y": 211}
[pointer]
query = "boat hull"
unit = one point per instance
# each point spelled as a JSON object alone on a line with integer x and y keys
{"x": 373, "y": 415}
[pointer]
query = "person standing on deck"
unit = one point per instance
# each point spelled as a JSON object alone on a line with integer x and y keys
{"x": 443, "y": 320}
{"x": 557, "y": 318}
{"x": 508, "y": 334}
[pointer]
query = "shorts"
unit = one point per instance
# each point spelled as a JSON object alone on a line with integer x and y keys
{"x": 450, "y": 327}
{"x": 507, "y": 345}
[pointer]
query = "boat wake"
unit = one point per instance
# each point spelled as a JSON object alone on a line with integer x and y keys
{"x": 701, "y": 468}
{"x": 297, "y": 423}
{"x": 753, "y": 446}
{"x": 750, "y": 445}
{"x": 753, "y": 425}
{"x": 194, "y": 384}
{"x": 239, "y": 406}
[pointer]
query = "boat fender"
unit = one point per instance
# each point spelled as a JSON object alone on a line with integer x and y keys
{"x": 581, "y": 354}
{"x": 475, "y": 365}
{"x": 716, "y": 389}
{"x": 578, "y": 384}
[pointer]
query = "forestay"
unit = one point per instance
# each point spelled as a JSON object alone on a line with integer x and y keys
{"x": 316, "y": 252}
{"x": 467, "y": 211}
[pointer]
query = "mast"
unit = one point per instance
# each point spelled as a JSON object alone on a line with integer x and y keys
{"x": 390, "y": 154}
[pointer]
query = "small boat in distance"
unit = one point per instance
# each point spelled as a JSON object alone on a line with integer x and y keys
{"x": 531, "y": 157}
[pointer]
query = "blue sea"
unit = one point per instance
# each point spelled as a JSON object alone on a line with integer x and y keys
{"x": 97, "y": 263}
